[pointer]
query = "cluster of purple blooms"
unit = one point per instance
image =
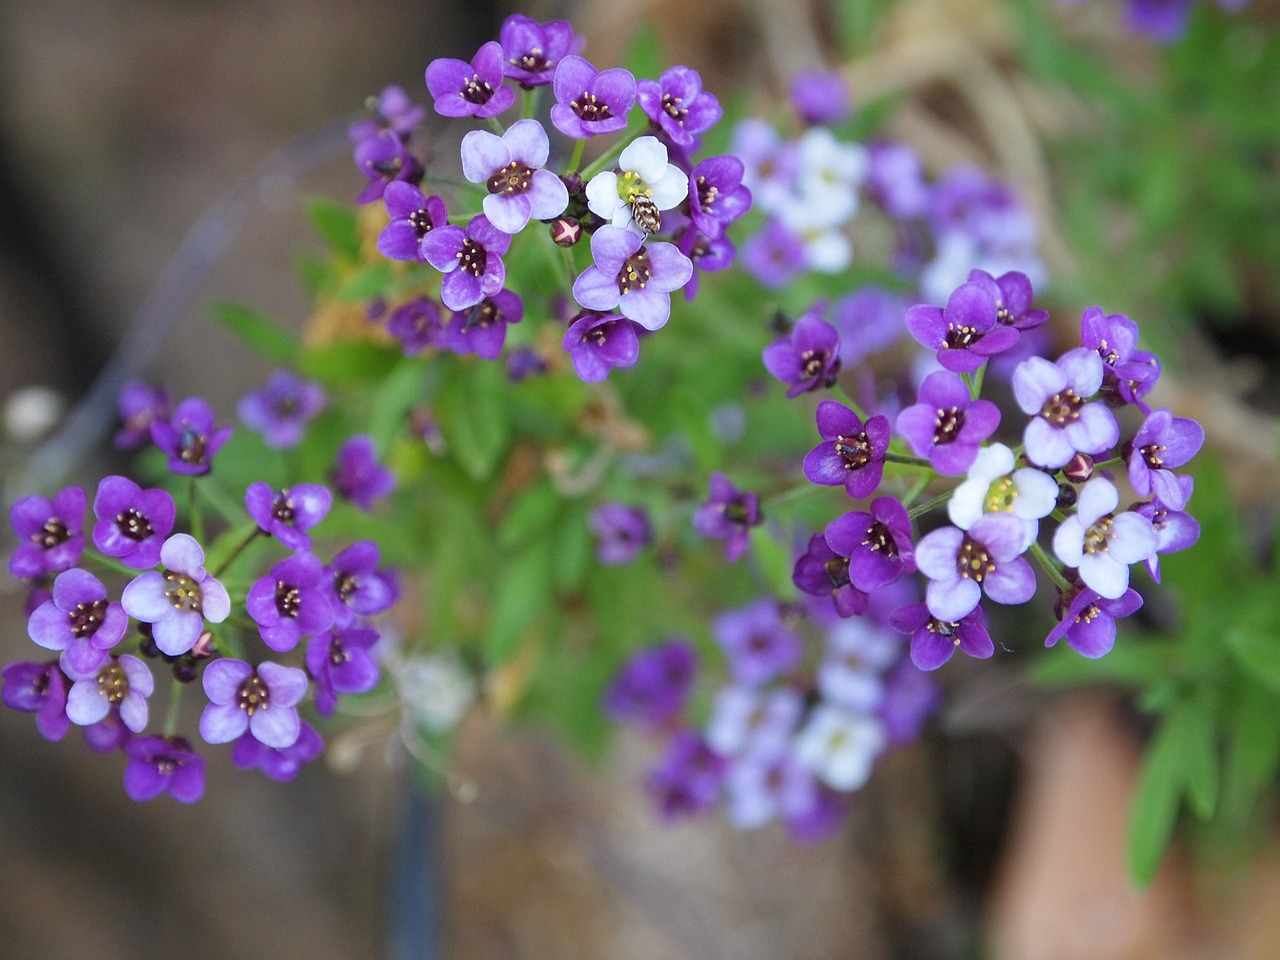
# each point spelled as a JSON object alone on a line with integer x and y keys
{"x": 792, "y": 733}
{"x": 107, "y": 637}
{"x": 655, "y": 216}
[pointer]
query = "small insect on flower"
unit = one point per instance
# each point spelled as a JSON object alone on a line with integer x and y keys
{"x": 646, "y": 214}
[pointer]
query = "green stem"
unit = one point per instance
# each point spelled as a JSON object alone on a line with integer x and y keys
{"x": 576, "y": 159}
{"x": 1108, "y": 464}
{"x": 915, "y": 491}
{"x": 1050, "y": 567}
{"x": 526, "y": 103}
{"x": 175, "y": 702}
{"x": 791, "y": 493}
{"x": 599, "y": 162}
{"x": 109, "y": 563}
{"x": 975, "y": 381}
{"x": 197, "y": 527}
{"x": 222, "y": 567}
{"x": 496, "y": 126}
{"x": 462, "y": 219}
{"x": 922, "y": 509}
{"x": 907, "y": 461}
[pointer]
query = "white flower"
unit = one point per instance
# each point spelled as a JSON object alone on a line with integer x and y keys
{"x": 645, "y": 177}
{"x": 1028, "y": 494}
{"x": 436, "y": 690}
{"x": 1102, "y": 544}
{"x": 826, "y": 185}
{"x": 747, "y": 721}
{"x": 839, "y": 746}
{"x": 858, "y": 654}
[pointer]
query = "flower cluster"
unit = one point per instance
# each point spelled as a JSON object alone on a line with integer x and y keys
{"x": 152, "y": 600}
{"x": 653, "y": 215}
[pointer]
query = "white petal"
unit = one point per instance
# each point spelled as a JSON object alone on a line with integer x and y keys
{"x": 645, "y": 156}
{"x": 602, "y": 195}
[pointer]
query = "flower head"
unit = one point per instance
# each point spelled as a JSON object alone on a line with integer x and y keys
{"x": 413, "y": 215}
{"x": 385, "y": 159}
{"x": 1089, "y": 622}
{"x": 39, "y": 688}
{"x": 631, "y": 276}
{"x": 822, "y": 572}
{"x": 357, "y": 588}
{"x": 262, "y": 700}
{"x": 532, "y": 50}
{"x": 933, "y": 641}
{"x": 877, "y": 543}
{"x": 717, "y": 195}
{"x": 852, "y": 453}
{"x": 190, "y": 437}
{"x": 688, "y": 778}
{"x": 287, "y": 515}
{"x": 590, "y": 103}
{"x": 1102, "y": 543}
{"x": 759, "y": 645}
{"x": 474, "y": 89}
{"x": 1162, "y": 442}
{"x": 50, "y": 538}
{"x": 840, "y": 746}
{"x": 163, "y": 765}
{"x": 598, "y": 342}
{"x": 281, "y": 764}
{"x": 621, "y": 532}
{"x": 340, "y": 662}
{"x": 644, "y": 185}
{"x": 139, "y": 403}
{"x": 358, "y": 476}
{"x": 281, "y": 410}
{"x": 123, "y": 682}
{"x": 416, "y": 324}
{"x": 806, "y": 359}
{"x": 653, "y": 686}
{"x": 1055, "y": 395}
{"x": 728, "y": 515}
{"x": 1175, "y": 529}
{"x": 677, "y": 105}
{"x": 132, "y": 522}
{"x": 966, "y": 332}
{"x": 177, "y": 601}
{"x": 963, "y": 564}
{"x": 945, "y": 425}
{"x": 290, "y": 602}
{"x": 470, "y": 259}
{"x": 482, "y": 328}
{"x": 79, "y": 620}
{"x": 993, "y": 486}
{"x": 510, "y": 166}
{"x": 392, "y": 110}
{"x": 820, "y": 96}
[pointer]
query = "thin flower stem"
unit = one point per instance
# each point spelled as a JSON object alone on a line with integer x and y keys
{"x": 914, "y": 493}
{"x": 222, "y": 567}
{"x": 462, "y": 219}
{"x": 175, "y": 702}
{"x": 975, "y": 381}
{"x": 446, "y": 181}
{"x": 496, "y": 126}
{"x": 1108, "y": 464}
{"x": 1050, "y": 567}
{"x": 197, "y": 527}
{"x": 599, "y": 162}
{"x": 907, "y": 461}
{"x": 109, "y": 563}
{"x": 852, "y": 403}
{"x": 922, "y": 509}
{"x": 576, "y": 160}
{"x": 791, "y": 493}
{"x": 527, "y": 101}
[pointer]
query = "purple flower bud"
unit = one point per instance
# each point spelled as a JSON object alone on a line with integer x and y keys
{"x": 566, "y": 231}
{"x": 1079, "y": 468}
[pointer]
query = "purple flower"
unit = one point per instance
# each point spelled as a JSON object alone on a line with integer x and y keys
{"x": 820, "y": 96}
{"x": 590, "y": 103}
{"x": 262, "y": 701}
{"x": 510, "y": 166}
{"x": 966, "y": 332}
{"x": 729, "y": 516}
{"x": 470, "y": 259}
{"x": 532, "y": 50}
{"x": 933, "y": 640}
{"x": 945, "y": 425}
{"x": 1114, "y": 337}
{"x": 281, "y": 410}
{"x": 123, "y": 682}
{"x": 1163, "y": 21}
{"x": 774, "y": 256}
{"x": 341, "y": 663}
{"x": 869, "y": 320}
{"x": 383, "y": 160}
{"x": 717, "y": 196}
{"x": 358, "y": 476}
{"x": 392, "y": 110}
{"x": 808, "y": 358}
{"x": 910, "y": 698}
{"x": 163, "y": 765}
{"x": 416, "y": 324}
{"x": 688, "y": 778}
{"x": 413, "y": 215}
{"x": 1175, "y": 529}
{"x": 621, "y": 532}
{"x": 356, "y": 586}
{"x": 107, "y": 735}
{"x": 598, "y": 342}
{"x": 677, "y": 105}
{"x": 1163, "y": 441}
{"x": 482, "y": 329}
{"x": 653, "y": 687}
{"x": 631, "y": 276}
{"x": 139, "y": 404}
{"x": 190, "y": 437}
{"x": 822, "y": 572}
{"x": 288, "y": 514}
{"x": 895, "y": 180}
{"x": 851, "y": 453}
{"x": 178, "y": 601}
{"x": 1013, "y": 294}
{"x": 39, "y": 688}
{"x": 524, "y": 362}
{"x": 1101, "y": 543}
{"x": 877, "y": 543}
{"x": 961, "y": 564}
{"x": 1054, "y": 395}
{"x": 132, "y": 522}
{"x": 1089, "y": 623}
{"x": 758, "y": 644}
{"x": 290, "y": 602}
{"x": 79, "y": 621}
{"x": 281, "y": 764}
{"x": 472, "y": 89}
{"x": 706, "y": 255}
{"x": 50, "y": 538}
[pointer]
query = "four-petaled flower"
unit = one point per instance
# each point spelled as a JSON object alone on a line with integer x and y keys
{"x": 945, "y": 425}
{"x": 287, "y": 515}
{"x": 123, "y": 682}
{"x": 50, "y": 538}
{"x": 79, "y": 620}
{"x": 474, "y": 89}
{"x": 632, "y": 277}
{"x": 510, "y": 167}
{"x": 190, "y": 437}
{"x": 852, "y": 453}
{"x": 532, "y": 50}
{"x": 358, "y": 475}
{"x": 290, "y": 602}
{"x": 1163, "y": 441}
{"x": 877, "y": 543}
{"x": 1101, "y": 543}
{"x": 163, "y": 765}
{"x": 470, "y": 259}
{"x": 598, "y": 342}
{"x": 262, "y": 700}
{"x": 821, "y": 572}
{"x": 1054, "y": 395}
{"x": 177, "y": 601}
{"x": 413, "y": 215}
{"x": 967, "y": 331}
{"x": 281, "y": 410}
{"x": 729, "y": 516}
{"x": 933, "y": 641}
{"x": 677, "y": 105}
{"x": 962, "y": 564}
{"x": 589, "y": 103}
{"x": 1089, "y": 622}
{"x": 341, "y": 663}
{"x": 808, "y": 358}
{"x": 644, "y": 186}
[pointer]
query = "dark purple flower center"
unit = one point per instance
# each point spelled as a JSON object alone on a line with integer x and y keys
{"x": 973, "y": 561}
{"x": 253, "y": 695}
{"x": 190, "y": 446}
{"x": 597, "y": 334}
{"x": 813, "y": 362}
{"x": 134, "y": 525}
{"x": 288, "y": 599}
{"x": 944, "y": 628}
{"x": 473, "y": 258}
{"x": 960, "y": 336}
{"x": 387, "y": 168}
{"x": 736, "y": 511}
{"x": 1089, "y": 614}
{"x": 534, "y": 61}
{"x": 483, "y": 314}
{"x": 344, "y": 585}
{"x": 671, "y": 107}
{"x": 420, "y": 220}
{"x": 338, "y": 653}
{"x": 635, "y": 272}
{"x": 282, "y": 508}
{"x": 707, "y": 193}
{"x": 1062, "y": 408}
{"x": 855, "y": 450}
{"x": 1099, "y": 535}
{"x": 590, "y": 109}
{"x": 1151, "y": 453}
{"x": 113, "y": 683}
{"x": 837, "y": 572}
{"x": 512, "y": 180}
{"x": 477, "y": 91}
{"x": 52, "y": 533}
{"x": 880, "y": 539}
{"x": 947, "y": 424}
{"x": 86, "y": 618}
{"x": 1003, "y": 315}
{"x": 183, "y": 592}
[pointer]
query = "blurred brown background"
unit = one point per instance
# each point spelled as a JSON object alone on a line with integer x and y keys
{"x": 122, "y": 123}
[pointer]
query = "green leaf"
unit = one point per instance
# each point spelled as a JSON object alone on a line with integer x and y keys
{"x": 374, "y": 280}
{"x": 773, "y": 559}
{"x": 339, "y": 363}
{"x": 572, "y": 542}
{"x": 256, "y": 331}
{"x": 1133, "y": 662}
{"x": 393, "y": 400}
{"x": 470, "y": 412}
{"x": 1155, "y": 807}
{"x": 1253, "y": 640}
{"x": 530, "y": 515}
{"x": 1200, "y": 756}
{"x": 523, "y": 596}
{"x": 644, "y": 55}
{"x": 336, "y": 224}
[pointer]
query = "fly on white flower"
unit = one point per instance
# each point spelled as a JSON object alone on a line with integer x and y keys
{"x": 644, "y": 184}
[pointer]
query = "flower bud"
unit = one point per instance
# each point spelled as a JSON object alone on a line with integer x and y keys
{"x": 203, "y": 648}
{"x": 1079, "y": 468}
{"x": 566, "y": 231}
{"x": 1066, "y": 496}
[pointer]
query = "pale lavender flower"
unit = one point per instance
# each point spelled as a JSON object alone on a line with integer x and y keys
{"x": 510, "y": 166}
{"x": 963, "y": 564}
{"x": 753, "y": 721}
{"x": 1054, "y": 395}
{"x": 287, "y": 515}
{"x": 895, "y": 180}
{"x": 281, "y": 410}
{"x": 132, "y": 523}
{"x": 532, "y": 50}
{"x": 261, "y": 700}
{"x": 757, "y": 643}
{"x": 474, "y": 89}
{"x": 1163, "y": 441}
{"x": 358, "y": 476}
{"x": 775, "y": 255}
{"x": 631, "y": 276}
{"x": 1175, "y": 529}
{"x": 178, "y": 601}
{"x": 1101, "y": 543}
{"x": 79, "y": 621}
{"x": 858, "y": 653}
{"x": 123, "y": 682}
{"x": 677, "y": 105}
